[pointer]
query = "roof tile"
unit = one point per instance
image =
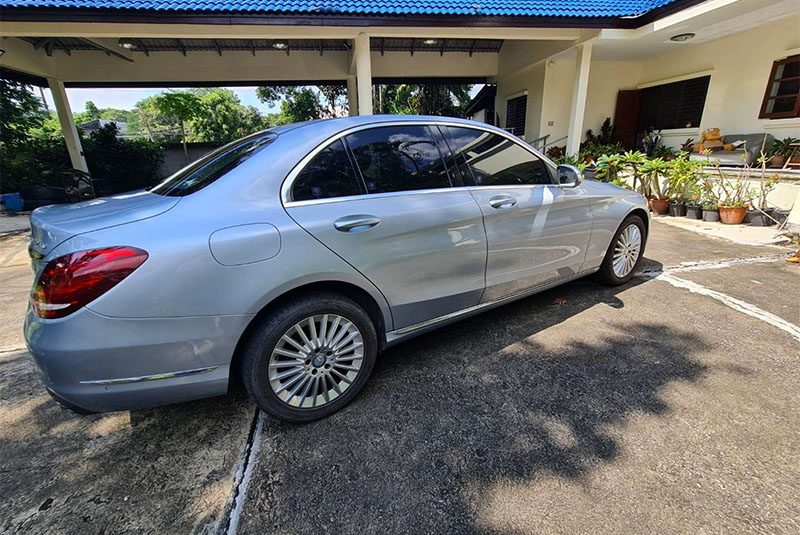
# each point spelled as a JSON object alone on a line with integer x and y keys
{"x": 524, "y": 8}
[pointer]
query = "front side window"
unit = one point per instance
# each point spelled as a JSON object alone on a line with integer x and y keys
{"x": 493, "y": 160}
{"x": 328, "y": 174}
{"x": 398, "y": 158}
{"x": 213, "y": 166}
{"x": 782, "y": 99}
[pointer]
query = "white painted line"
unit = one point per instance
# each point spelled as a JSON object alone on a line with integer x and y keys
{"x": 699, "y": 266}
{"x": 243, "y": 479}
{"x": 732, "y": 302}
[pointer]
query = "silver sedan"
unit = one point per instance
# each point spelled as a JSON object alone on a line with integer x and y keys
{"x": 292, "y": 257}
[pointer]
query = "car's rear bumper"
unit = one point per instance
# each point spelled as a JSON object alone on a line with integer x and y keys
{"x": 98, "y": 364}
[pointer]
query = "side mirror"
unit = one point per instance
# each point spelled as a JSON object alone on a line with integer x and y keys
{"x": 569, "y": 176}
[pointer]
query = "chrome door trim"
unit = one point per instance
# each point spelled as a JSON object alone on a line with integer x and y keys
{"x": 288, "y": 182}
{"x": 154, "y": 377}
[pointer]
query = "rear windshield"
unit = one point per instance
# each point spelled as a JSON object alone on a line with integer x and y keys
{"x": 212, "y": 166}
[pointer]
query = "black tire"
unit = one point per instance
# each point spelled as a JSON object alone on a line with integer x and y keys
{"x": 606, "y": 273}
{"x": 258, "y": 348}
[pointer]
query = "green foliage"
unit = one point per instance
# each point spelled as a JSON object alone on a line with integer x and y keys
{"x": 609, "y": 167}
{"x": 782, "y": 147}
{"x": 20, "y": 111}
{"x": 221, "y": 117}
{"x": 664, "y": 152}
{"x": 683, "y": 178}
{"x": 652, "y": 171}
{"x": 118, "y": 164}
{"x": 605, "y": 137}
{"x": 304, "y": 103}
{"x": 448, "y": 100}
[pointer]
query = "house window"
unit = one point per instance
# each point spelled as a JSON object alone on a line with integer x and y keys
{"x": 782, "y": 98}
{"x": 515, "y": 115}
{"x": 674, "y": 105}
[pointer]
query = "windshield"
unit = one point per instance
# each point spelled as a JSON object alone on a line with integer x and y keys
{"x": 212, "y": 166}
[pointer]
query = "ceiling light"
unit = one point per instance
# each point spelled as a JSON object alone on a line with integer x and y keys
{"x": 681, "y": 37}
{"x": 280, "y": 45}
{"x": 429, "y": 42}
{"x": 127, "y": 44}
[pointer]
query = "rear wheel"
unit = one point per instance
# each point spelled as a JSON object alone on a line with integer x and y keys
{"x": 309, "y": 357}
{"x": 624, "y": 254}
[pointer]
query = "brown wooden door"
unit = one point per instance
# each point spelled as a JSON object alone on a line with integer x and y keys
{"x": 626, "y": 117}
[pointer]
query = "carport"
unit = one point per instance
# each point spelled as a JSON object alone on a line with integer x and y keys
{"x": 75, "y": 43}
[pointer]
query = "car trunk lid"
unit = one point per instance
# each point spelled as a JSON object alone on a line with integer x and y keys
{"x": 53, "y": 225}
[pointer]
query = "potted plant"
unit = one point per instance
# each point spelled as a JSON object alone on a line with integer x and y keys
{"x": 761, "y": 215}
{"x": 665, "y": 153}
{"x": 688, "y": 146}
{"x": 652, "y": 172}
{"x": 780, "y": 150}
{"x": 609, "y": 167}
{"x": 682, "y": 181}
{"x": 694, "y": 204}
{"x": 710, "y": 211}
{"x": 633, "y": 161}
{"x": 734, "y": 198}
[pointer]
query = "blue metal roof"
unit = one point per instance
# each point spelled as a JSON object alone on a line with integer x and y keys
{"x": 522, "y": 8}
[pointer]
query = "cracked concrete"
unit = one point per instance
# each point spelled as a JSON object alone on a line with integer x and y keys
{"x": 583, "y": 409}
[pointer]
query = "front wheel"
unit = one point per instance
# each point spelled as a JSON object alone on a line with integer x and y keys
{"x": 625, "y": 252}
{"x": 309, "y": 357}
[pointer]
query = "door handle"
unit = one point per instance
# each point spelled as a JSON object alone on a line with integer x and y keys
{"x": 502, "y": 201}
{"x": 356, "y": 223}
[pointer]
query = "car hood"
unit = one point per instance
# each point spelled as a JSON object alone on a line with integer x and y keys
{"x": 52, "y": 225}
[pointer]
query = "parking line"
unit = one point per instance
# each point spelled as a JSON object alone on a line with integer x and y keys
{"x": 732, "y": 302}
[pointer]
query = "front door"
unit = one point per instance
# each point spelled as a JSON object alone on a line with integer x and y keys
{"x": 537, "y": 232}
{"x": 398, "y": 221}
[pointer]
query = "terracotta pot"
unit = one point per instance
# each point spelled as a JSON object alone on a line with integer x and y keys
{"x": 732, "y": 215}
{"x": 777, "y": 161}
{"x": 659, "y": 206}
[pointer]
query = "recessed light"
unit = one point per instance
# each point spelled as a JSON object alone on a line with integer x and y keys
{"x": 280, "y": 45}
{"x": 681, "y": 37}
{"x": 127, "y": 44}
{"x": 429, "y": 42}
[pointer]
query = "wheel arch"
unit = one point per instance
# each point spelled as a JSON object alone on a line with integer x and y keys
{"x": 361, "y": 296}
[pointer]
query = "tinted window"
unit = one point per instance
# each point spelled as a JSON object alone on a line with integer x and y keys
{"x": 494, "y": 160}
{"x": 398, "y": 158}
{"x": 328, "y": 174}
{"x": 213, "y": 166}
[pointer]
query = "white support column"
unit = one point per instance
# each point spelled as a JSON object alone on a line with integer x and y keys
{"x": 352, "y": 96}
{"x": 579, "y": 94}
{"x": 363, "y": 63}
{"x": 68, "y": 128}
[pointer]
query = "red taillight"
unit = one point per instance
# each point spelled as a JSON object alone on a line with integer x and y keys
{"x": 72, "y": 281}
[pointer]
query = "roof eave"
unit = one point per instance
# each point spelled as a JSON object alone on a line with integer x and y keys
{"x": 326, "y": 19}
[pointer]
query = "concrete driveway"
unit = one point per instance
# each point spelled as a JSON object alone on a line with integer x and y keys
{"x": 668, "y": 405}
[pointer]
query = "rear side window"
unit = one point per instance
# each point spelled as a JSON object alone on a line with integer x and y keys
{"x": 398, "y": 158}
{"x": 328, "y": 174}
{"x": 493, "y": 160}
{"x": 213, "y": 166}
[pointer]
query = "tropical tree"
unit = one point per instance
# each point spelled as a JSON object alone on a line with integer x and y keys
{"x": 183, "y": 106}
{"x": 222, "y": 117}
{"x": 424, "y": 99}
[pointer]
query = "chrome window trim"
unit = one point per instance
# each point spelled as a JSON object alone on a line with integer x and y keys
{"x": 288, "y": 182}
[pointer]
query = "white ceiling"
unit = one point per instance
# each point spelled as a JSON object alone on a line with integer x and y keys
{"x": 714, "y": 19}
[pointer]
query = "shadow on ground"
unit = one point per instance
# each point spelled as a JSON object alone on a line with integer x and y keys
{"x": 449, "y": 415}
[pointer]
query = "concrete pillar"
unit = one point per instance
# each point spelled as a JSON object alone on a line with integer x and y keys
{"x": 352, "y": 96}
{"x": 68, "y": 128}
{"x": 579, "y": 93}
{"x": 363, "y": 63}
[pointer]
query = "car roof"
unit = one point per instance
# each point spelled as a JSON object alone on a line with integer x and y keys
{"x": 328, "y": 127}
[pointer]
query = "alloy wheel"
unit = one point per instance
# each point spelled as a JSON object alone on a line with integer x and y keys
{"x": 627, "y": 250}
{"x": 316, "y": 361}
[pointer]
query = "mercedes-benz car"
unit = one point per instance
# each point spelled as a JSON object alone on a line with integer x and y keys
{"x": 291, "y": 258}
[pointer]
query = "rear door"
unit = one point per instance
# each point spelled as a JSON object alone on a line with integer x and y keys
{"x": 383, "y": 200}
{"x": 537, "y": 232}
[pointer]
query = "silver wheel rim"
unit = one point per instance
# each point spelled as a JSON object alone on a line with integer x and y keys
{"x": 316, "y": 361}
{"x": 627, "y": 250}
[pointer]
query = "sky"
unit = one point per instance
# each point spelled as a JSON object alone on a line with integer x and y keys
{"x": 126, "y": 98}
